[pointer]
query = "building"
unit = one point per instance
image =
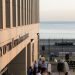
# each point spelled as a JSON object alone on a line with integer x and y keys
{"x": 57, "y": 47}
{"x": 19, "y": 26}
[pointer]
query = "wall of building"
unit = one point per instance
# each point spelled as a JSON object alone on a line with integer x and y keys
{"x": 19, "y": 24}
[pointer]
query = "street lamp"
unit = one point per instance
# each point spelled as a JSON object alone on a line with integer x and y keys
{"x": 62, "y": 48}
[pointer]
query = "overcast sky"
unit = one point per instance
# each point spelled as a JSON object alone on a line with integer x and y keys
{"x": 57, "y": 10}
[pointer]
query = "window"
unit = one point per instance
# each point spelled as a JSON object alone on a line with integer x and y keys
{"x": 31, "y": 11}
{"x": 25, "y": 12}
{"x": 9, "y": 45}
{"x": 14, "y": 12}
{"x": 0, "y": 51}
{"x": 7, "y": 13}
{"x": 1, "y": 17}
{"x": 22, "y": 10}
{"x": 18, "y": 2}
{"x": 4, "y": 49}
{"x": 15, "y": 42}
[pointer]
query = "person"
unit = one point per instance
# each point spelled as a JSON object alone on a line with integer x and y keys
{"x": 49, "y": 73}
{"x": 35, "y": 67}
{"x": 43, "y": 66}
{"x": 39, "y": 64}
{"x": 30, "y": 71}
{"x": 39, "y": 72}
{"x": 66, "y": 73}
{"x": 49, "y": 68}
{"x": 66, "y": 67}
{"x": 55, "y": 60}
{"x": 60, "y": 66}
{"x": 45, "y": 72}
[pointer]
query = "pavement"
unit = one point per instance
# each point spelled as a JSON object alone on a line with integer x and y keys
{"x": 55, "y": 72}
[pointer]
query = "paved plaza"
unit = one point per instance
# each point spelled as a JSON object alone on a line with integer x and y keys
{"x": 54, "y": 71}
{"x": 70, "y": 73}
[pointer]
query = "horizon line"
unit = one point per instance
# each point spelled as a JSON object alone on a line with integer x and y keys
{"x": 57, "y": 21}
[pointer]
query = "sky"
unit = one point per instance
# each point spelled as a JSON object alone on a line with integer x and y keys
{"x": 57, "y": 10}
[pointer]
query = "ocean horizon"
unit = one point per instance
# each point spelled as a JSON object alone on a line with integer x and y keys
{"x": 57, "y": 30}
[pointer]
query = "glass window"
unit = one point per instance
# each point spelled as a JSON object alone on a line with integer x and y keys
{"x": 0, "y": 51}
{"x": 22, "y": 11}
{"x": 1, "y": 17}
{"x": 29, "y": 11}
{"x": 14, "y": 12}
{"x": 25, "y": 12}
{"x": 7, "y": 13}
{"x": 18, "y": 2}
{"x": 4, "y": 49}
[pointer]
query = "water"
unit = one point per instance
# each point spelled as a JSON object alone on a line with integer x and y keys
{"x": 57, "y": 30}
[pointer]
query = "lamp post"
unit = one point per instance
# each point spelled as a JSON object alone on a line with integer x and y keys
{"x": 49, "y": 49}
{"x": 62, "y": 48}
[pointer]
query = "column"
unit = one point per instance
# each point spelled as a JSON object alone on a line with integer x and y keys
{"x": 4, "y": 14}
{"x": 26, "y": 62}
{"x": 38, "y": 11}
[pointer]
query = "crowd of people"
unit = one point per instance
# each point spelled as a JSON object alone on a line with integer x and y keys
{"x": 39, "y": 68}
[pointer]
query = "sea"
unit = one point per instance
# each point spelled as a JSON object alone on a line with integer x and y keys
{"x": 57, "y": 30}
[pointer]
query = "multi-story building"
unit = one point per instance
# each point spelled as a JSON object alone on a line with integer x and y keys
{"x": 19, "y": 26}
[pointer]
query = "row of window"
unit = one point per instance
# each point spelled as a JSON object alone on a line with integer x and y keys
{"x": 24, "y": 12}
{"x": 12, "y": 44}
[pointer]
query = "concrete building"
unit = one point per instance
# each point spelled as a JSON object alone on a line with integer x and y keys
{"x": 57, "y": 47}
{"x": 19, "y": 26}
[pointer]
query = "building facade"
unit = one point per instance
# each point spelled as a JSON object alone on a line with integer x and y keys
{"x": 19, "y": 27}
{"x": 57, "y": 47}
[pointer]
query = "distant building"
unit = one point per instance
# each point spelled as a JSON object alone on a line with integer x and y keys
{"x": 19, "y": 28}
{"x": 57, "y": 47}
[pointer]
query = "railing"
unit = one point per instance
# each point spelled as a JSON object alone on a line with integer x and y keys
{"x": 54, "y": 43}
{"x": 71, "y": 64}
